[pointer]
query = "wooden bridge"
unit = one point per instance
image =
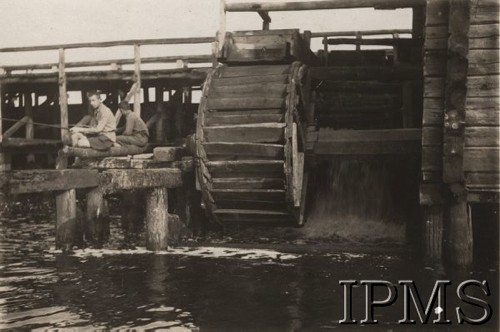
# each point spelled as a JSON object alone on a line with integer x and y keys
{"x": 428, "y": 96}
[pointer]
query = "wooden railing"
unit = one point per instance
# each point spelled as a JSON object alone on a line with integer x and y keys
{"x": 181, "y": 61}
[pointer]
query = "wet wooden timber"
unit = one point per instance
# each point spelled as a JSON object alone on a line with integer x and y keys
{"x": 430, "y": 94}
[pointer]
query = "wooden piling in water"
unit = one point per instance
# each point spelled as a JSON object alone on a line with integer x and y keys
{"x": 97, "y": 218}
{"x": 66, "y": 223}
{"x": 157, "y": 219}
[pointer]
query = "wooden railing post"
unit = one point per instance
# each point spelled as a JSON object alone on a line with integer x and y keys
{"x": 137, "y": 79}
{"x": 221, "y": 34}
{"x": 157, "y": 219}
{"x": 63, "y": 99}
{"x": 28, "y": 112}
{"x": 325, "y": 50}
{"x": 4, "y": 157}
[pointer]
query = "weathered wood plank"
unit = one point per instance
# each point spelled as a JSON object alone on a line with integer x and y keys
{"x": 482, "y": 136}
{"x": 481, "y": 12}
{"x": 248, "y": 6}
{"x": 255, "y": 195}
{"x": 432, "y": 136}
{"x": 375, "y": 135}
{"x": 430, "y": 194}
{"x": 246, "y": 71}
{"x": 157, "y": 219}
{"x": 256, "y": 90}
{"x": 115, "y": 180}
{"x": 477, "y": 86}
{"x": 168, "y": 153}
{"x": 228, "y": 118}
{"x": 433, "y": 112}
{"x": 243, "y": 103}
{"x": 247, "y": 183}
{"x": 481, "y": 62}
{"x": 481, "y": 159}
{"x": 251, "y": 133}
{"x": 485, "y": 117}
{"x": 245, "y": 149}
{"x": 226, "y": 168}
{"x": 376, "y": 73}
{"x": 34, "y": 181}
{"x": 432, "y": 158}
{"x": 113, "y": 151}
{"x": 483, "y": 181}
{"x": 217, "y": 82}
{"x": 325, "y": 149}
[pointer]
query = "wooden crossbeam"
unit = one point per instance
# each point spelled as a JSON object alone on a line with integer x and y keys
{"x": 16, "y": 126}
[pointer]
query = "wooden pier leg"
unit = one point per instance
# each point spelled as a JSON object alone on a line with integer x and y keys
{"x": 28, "y": 110}
{"x": 66, "y": 223}
{"x": 4, "y": 158}
{"x": 433, "y": 233}
{"x": 97, "y": 218}
{"x": 460, "y": 234}
{"x": 157, "y": 219}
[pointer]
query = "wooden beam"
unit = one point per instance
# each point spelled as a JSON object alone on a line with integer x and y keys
{"x": 157, "y": 219}
{"x": 374, "y": 41}
{"x": 320, "y": 5}
{"x": 164, "y": 59}
{"x": 97, "y": 218}
{"x": 63, "y": 99}
{"x": 29, "y": 128}
{"x": 15, "y": 127}
{"x": 460, "y": 226}
{"x": 221, "y": 33}
{"x": 402, "y": 72}
{"x": 137, "y": 79}
{"x": 159, "y": 41}
{"x": 360, "y": 32}
{"x": 35, "y": 181}
{"x": 116, "y": 180}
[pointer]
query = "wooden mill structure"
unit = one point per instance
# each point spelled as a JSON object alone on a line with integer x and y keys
{"x": 271, "y": 109}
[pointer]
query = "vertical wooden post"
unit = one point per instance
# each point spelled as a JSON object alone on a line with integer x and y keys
{"x": 359, "y": 36}
{"x": 157, "y": 219}
{"x": 215, "y": 54}
{"x": 66, "y": 223}
{"x": 28, "y": 111}
{"x": 325, "y": 50}
{"x": 160, "y": 122}
{"x": 460, "y": 229}
{"x": 97, "y": 218}
{"x": 137, "y": 79}
{"x": 63, "y": 99}
{"x": 221, "y": 34}
{"x": 4, "y": 157}
{"x": 433, "y": 233}
{"x": 266, "y": 19}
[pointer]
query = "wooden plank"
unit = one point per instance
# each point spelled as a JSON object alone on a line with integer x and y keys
{"x": 482, "y": 136}
{"x": 433, "y": 113}
{"x": 483, "y": 181}
{"x": 483, "y": 36}
{"x": 35, "y": 181}
{"x": 432, "y": 158}
{"x": 256, "y": 212}
{"x": 250, "y": 133}
{"x": 433, "y": 233}
{"x": 115, "y": 180}
{"x": 243, "y": 204}
{"x": 249, "y": 80}
{"x": 481, "y": 159}
{"x": 255, "y": 195}
{"x": 245, "y": 149}
{"x": 256, "y": 90}
{"x": 319, "y": 5}
{"x": 227, "y": 118}
{"x": 246, "y": 71}
{"x": 483, "y": 62}
{"x": 137, "y": 79}
{"x": 375, "y": 73}
{"x": 477, "y": 86}
{"x": 66, "y": 222}
{"x": 247, "y": 183}
{"x": 157, "y": 41}
{"x": 481, "y": 12}
{"x": 432, "y": 136}
{"x": 15, "y": 127}
{"x": 226, "y": 168}
{"x": 113, "y": 151}
{"x": 168, "y": 153}
{"x": 243, "y": 103}
{"x": 263, "y": 53}
{"x": 485, "y": 117}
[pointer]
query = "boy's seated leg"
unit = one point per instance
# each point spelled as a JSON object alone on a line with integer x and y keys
{"x": 136, "y": 140}
{"x": 80, "y": 140}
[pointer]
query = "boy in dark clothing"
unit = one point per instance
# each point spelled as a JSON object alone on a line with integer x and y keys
{"x": 135, "y": 132}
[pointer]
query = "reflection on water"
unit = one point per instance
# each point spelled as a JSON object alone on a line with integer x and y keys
{"x": 207, "y": 288}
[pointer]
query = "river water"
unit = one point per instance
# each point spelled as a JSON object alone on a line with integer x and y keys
{"x": 216, "y": 283}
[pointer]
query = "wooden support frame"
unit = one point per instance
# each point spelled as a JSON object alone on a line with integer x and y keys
{"x": 460, "y": 228}
{"x": 320, "y": 5}
{"x": 221, "y": 34}
{"x": 63, "y": 99}
{"x": 137, "y": 79}
{"x": 157, "y": 219}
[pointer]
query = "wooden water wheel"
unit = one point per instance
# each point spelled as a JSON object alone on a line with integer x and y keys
{"x": 250, "y": 144}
